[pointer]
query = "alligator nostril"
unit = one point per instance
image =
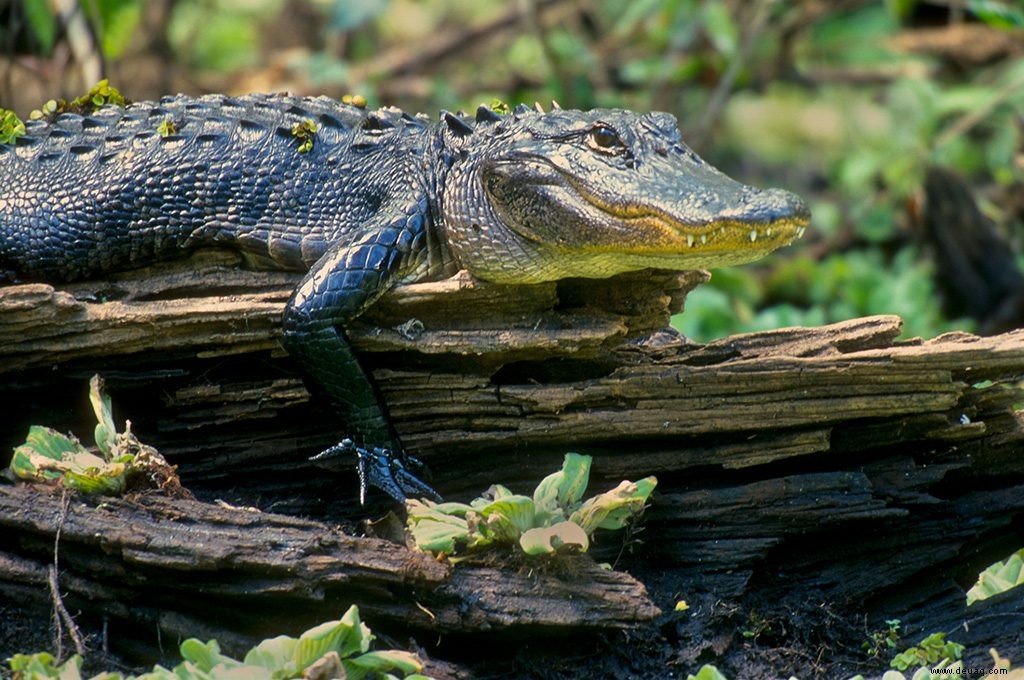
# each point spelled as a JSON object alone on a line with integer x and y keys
{"x": 780, "y": 205}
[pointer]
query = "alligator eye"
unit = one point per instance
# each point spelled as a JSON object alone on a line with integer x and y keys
{"x": 605, "y": 139}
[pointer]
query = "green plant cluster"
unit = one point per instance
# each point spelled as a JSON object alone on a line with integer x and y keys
{"x": 931, "y": 651}
{"x": 942, "y": 670}
{"x": 356, "y": 100}
{"x": 101, "y": 94}
{"x": 871, "y": 144}
{"x": 305, "y": 132}
{"x": 167, "y": 128}
{"x": 11, "y": 127}
{"x": 49, "y": 455}
{"x": 555, "y": 518}
{"x": 998, "y": 578}
{"x": 335, "y": 649}
{"x": 882, "y": 641}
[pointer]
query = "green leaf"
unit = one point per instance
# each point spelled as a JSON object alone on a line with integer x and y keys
{"x": 11, "y": 127}
{"x": 452, "y": 509}
{"x": 931, "y": 650}
{"x": 998, "y": 14}
{"x": 116, "y": 23}
{"x": 39, "y": 457}
{"x": 108, "y": 480}
{"x": 707, "y": 672}
{"x": 106, "y": 431}
{"x": 547, "y": 540}
{"x": 41, "y": 665}
{"x": 47, "y": 454}
{"x": 559, "y": 492}
{"x": 437, "y": 527}
{"x": 373, "y": 663}
{"x": 998, "y": 578}
{"x": 346, "y": 637}
{"x": 206, "y": 656}
{"x": 439, "y": 537}
{"x": 276, "y": 655}
{"x": 623, "y": 513}
{"x": 42, "y": 22}
{"x": 613, "y": 509}
{"x": 720, "y": 27}
{"x": 50, "y": 443}
{"x": 508, "y": 517}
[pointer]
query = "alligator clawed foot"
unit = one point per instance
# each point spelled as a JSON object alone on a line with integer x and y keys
{"x": 381, "y": 468}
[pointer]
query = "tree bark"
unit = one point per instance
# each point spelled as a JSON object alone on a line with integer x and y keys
{"x": 878, "y": 474}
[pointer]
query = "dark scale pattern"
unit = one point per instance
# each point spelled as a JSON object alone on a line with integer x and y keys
{"x": 85, "y": 195}
{"x": 381, "y": 197}
{"x": 116, "y": 194}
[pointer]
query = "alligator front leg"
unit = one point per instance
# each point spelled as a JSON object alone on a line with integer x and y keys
{"x": 346, "y": 280}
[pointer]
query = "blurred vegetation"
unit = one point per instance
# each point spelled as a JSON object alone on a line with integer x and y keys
{"x": 846, "y": 102}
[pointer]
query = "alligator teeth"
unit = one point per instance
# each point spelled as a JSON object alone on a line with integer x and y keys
{"x": 753, "y": 235}
{"x": 800, "y": 232}
{"x": 689, "y": 240}
{"x": 703, "y": 239}
{"x": 768, "y": 231}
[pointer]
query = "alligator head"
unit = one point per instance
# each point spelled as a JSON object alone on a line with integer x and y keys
{"x": 536, "y": 196}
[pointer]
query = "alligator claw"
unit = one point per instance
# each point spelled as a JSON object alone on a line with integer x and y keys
{"x": 379, "y": 467}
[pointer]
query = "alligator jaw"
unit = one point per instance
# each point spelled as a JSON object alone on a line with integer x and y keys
{"x": 763, "y": 221}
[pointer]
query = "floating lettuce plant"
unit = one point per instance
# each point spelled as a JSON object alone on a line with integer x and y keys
{"x": 554, "y": 519}
{"x": 998, "y": 578}
{"x": 49, "y": 455}
{"x": 335, "y": 649}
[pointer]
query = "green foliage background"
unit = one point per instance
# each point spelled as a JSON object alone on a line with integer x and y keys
{"x": 820, "y": 98}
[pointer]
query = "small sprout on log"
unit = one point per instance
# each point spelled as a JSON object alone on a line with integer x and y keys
{"x": 305, "y": 132}
{"x": 357, "y": 100}
{"x": 998, "y": 578}
{"x": 50, "y": 108}
{"x": 930, "y": 652}
{"x": 758, "y": 626}
{"x": 335, "y": 649}
{"x": 167, "y": 127}
{"x": 11, "y": 127}
{"x": 554, "y": 519}
{"x": 119, "y": 458}
{"x": 883, "y": 640}
{"x": 101, "y": 94}
{"x": 1001, "y": 666}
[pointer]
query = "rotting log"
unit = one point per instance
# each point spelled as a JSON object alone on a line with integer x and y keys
{"x": 187, "y": 567}
{"x": 835, "y": 465}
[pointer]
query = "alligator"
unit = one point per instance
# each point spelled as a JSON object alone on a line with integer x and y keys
{"x": 363, "y": 200}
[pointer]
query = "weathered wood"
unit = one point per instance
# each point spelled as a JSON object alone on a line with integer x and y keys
{"x": 261, "y": 568}
{"x": 878, "y": 474}
{"x": 165, "y": 309}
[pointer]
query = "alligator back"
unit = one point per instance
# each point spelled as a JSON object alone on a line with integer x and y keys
{"x": 126, "y": 186}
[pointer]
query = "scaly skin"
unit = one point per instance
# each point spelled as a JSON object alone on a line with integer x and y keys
{"x": 381, "y": 198}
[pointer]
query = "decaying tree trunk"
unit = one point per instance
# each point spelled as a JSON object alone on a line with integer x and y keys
{"x": 834, "y": 470}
